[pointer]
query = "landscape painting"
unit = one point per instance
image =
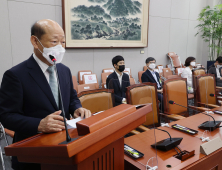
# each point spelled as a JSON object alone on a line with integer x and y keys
{"x": 105, "y": 23}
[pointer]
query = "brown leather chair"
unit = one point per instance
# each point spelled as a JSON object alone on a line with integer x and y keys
{"x": 80, "y": 73}
{"x": 144, "y": 68}
{"x": 140, "y": 76}
{"x": 97, "y": 100}
{"x": 167, "y": 72}
{"x": 75, "y": 83}
{"x": 144, "y": 93}
{"x": 107, "y": 70}
{"x": 104, "y": 77}
{"x": 132, "y": 81}
{"x": 205, "y": 85}
{"x": 176, "y": 90}
{"x": 172, "y": 76}
{"x": 87, "y": 87}
{"x": 195, "y": 73}
{"x": 175, "y": 59}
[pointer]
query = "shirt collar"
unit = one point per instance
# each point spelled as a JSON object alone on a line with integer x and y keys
{"x": 42, "y": 65}
{"x": 153, "y": 72}
{"x": 118, "y": 75}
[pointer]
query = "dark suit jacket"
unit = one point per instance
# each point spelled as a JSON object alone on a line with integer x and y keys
{"x": 112, "y": 82}
{"x": 148, "y": 77}
{"x": 26, "y": 97}
{"x": 212, "y": 70}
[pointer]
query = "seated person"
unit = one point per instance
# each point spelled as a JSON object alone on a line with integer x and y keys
{"x": 118, "y": 80}
{"x": 190, "y": 63}
{"x": 216, "y": 70}
{"x": 153, "y": 77}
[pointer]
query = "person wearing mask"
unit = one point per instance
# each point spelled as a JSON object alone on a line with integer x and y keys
{"x": 118, "y": 80}
{"x": 190, "y": 63}
{"x": 29, "y": 96}
{"x": 153, "y": 77}
{"x": 216, "y": 70}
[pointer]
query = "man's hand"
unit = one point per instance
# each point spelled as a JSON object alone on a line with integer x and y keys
{"x": 52, "y": 123}
{"x": 82, "y": 112}
{"x": 160, "y": 91}
{"x": 221, "y": 78}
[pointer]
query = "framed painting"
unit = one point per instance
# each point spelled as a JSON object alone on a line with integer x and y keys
{"x": 106, "y": 23}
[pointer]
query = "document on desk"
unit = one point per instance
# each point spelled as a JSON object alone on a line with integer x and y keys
{"x": 71, "y": 124}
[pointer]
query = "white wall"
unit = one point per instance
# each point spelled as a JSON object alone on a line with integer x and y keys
{"x": 171, "y": 28}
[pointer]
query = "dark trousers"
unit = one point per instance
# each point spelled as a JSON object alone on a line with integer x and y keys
{"x": 24, "y": 166}
{"x": 160, "y": 98}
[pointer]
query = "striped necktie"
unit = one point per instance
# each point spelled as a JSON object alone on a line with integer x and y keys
{"x": 53, "y": 84}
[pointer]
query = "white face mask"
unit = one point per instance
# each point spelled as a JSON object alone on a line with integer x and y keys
{"x": 152, "y": 66}
{"x": 193, "y": 63}
{"x": 57, "y": 51}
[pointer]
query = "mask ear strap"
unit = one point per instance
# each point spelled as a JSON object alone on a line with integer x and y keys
{"x": 39, "y": 42}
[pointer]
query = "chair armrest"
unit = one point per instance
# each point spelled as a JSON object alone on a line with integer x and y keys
{"x": 143, "y": 128}
{"x": 135, "y": 132}
{"x": 217, "y": 87}
{"x": 210, "y": 105}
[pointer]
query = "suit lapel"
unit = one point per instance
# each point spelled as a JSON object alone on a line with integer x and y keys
{"x": 39, "y": 77}
{"x": 150, "y": 75}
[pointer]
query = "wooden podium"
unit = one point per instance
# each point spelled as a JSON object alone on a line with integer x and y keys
{"x": 101, "y": 147}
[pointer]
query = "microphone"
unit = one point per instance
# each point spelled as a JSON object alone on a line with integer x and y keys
{"x": 208, "y": 125}
{"x": 212, "y": 95}
{"x": 68, "y": 138}
{"x": 166, "y": 144}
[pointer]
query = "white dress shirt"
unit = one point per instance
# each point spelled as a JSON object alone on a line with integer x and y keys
{"x": 187, "y": 73}
{"x": 43, "y": 67}
{"x": 120, "y": 77}
{"x": 155, "y": 77}
{"x": 218, "y": 73}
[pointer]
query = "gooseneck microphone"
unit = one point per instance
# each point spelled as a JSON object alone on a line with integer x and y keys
{"x": 212, "y": 95}
{"x": 208, "y": 125}
{"x": 167, "y": 144}
{"x": 68, "y": 138}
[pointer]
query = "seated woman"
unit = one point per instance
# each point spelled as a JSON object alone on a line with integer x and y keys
{"x": 187, "y": 72}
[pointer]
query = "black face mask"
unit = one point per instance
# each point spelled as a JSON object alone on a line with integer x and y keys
{"x": 121, "y": 68}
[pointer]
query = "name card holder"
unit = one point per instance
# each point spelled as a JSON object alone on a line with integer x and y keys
{"x": 211, "y": 146}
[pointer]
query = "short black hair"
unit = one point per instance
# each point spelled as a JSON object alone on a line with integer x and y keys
{"x": 149, "y": 59}
{"x": 116, "y": 59}
{"x": 188, "y": 61}
{"x": 37, "y": 30}
{"x": 219, "y": 59}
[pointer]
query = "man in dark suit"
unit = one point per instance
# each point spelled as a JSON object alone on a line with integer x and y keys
{"x": 29, "y": 97}
{"x": 216, "y": 70}
{"x": 153, "y": 77}
{"x": 118, "y": 80}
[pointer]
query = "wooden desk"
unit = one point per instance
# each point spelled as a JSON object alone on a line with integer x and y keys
{"x": 142, "y": 142}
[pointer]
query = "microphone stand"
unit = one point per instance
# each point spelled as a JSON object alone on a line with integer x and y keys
{"x": 68, "y": 138}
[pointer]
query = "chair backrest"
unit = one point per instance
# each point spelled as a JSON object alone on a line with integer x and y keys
{"x": 179, "y": 71}
{"x": 129, "y": 70}
{"x": 80, "y": 73}
{"x": 144, "y": 68}
{"x": 171, "y": 53}
{"x": 106, "y": 70}
{"x": 175, "y": 60}
{"x": 140, "y": 76}
{"x": 75, "y": 83}
{"x": 104, "y": 76}
{"x": 87, "y": 87}
{"x": 175, "y": 90}
{"x": 205, "y": 86}
{"x": 132, "y": 81}
{"x": 144, "y": 93}
{"x": 167, "y": 72}
{"x": 197, "y": 72}
{"x": 89, "y": 78}
{"x": 97, "y": 100}
{"x": 172, "y": 76}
